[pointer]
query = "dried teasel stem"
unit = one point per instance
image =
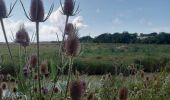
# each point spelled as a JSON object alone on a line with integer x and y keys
{"x": 38, "y": 56}
{"x": 69, "y": 75}
{"x": 6, "y": 39}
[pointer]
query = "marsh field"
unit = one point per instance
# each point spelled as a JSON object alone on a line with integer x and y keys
{"x": 141, "y": 71}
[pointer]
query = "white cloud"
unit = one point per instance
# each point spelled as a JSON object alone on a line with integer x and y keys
{"x": 79, "y": 22}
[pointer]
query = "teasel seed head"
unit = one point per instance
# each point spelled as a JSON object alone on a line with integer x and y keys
{"x": 22, "y": 36}
{"x": 3, "y": 11}
{"x": 44, "y": 68}
{"x": 33, "y": 61}
{"x": 147, "y": 78}
{"x": 14, "y": 89}
{"x": 123, "y": 93}
{"x": 26, "y": 72}
{"x": 37, "y": 11}
{"x": 75, "y": 90}
{"x": 83, "y": 86}
{"x": 72, "y": 44}
{"x": 68, "y": 7}
{"x": 55, "y": 89}
{"x": 69, "y": 28}
{"x": 4, "y": 85}
{"x": 1, "y": 93}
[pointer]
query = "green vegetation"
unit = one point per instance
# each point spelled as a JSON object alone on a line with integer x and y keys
{"x": 99, "y": 58}
{"x": 126, "y": 37}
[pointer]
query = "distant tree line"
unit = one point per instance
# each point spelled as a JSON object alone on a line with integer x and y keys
{"x": 126, "y": 37}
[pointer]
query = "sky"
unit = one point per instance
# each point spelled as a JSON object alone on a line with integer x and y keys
{"x": 95, "y": 17}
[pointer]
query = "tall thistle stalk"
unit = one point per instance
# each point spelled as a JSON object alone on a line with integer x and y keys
{"x": 68, "y": 10}
{"x": 37, "y": 16}
{"x": 38, "y": 55}
{"x": 4, "y": 14}
{"x": 6, "y": 40}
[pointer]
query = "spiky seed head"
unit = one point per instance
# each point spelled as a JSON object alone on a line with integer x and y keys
{"x": 3, "y": 11}
{"x": 44, "y": 68}
{"x": 90, "y": 96}
{"x": 22, "y": 36}
{"x": 33, "y": 61}
{"x": 75, "y": 90}
{"x": 69, "y": 28}
{"x": 55, "y": 89}
{"x": 72, "y": 44}
{"x": 1, "y": 93}
{"x": 68, "y": 7}
{"x": 83, "y": 86}
{"x": 37, "y": 11}
{"x": 147, "y": 78}
{"x": 26, "y": 71}
{"x": 4, "y": 85}
{"x": 36, "y": 77}
{"x": 123, "y": 93}
{"x": 14, "y": 89}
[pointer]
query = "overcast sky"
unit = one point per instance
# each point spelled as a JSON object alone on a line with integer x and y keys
{"x": 96, "y": 17}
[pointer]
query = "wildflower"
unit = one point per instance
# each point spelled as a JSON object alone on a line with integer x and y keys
{"x": 90, "y": 97}
{"x": 33, "y": 61}
{"x": 3, "y": 11}
{"x": 76, "y": 90}
{"x": 123, "y": 93}
{"x": 22, "y": 37}
{"x": 44, "y": 68}
{"x": 37, "y": 11}
{"x": 72, "y": 44}
{"x": 4, "y": 85}
{"x": 69, "y": 28}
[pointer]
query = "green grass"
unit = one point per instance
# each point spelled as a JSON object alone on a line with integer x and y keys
{"x": 100, "y": 58}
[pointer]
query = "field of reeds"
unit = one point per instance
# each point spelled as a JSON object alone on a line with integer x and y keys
{"x": 70, "y": 70}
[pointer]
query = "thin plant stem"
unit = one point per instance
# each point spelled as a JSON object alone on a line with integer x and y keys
{"x": 6, "y": 39}
{"x": 38, "y": 57}
{"x": 62, "y": 42}
{"x": 69, "y": 75}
